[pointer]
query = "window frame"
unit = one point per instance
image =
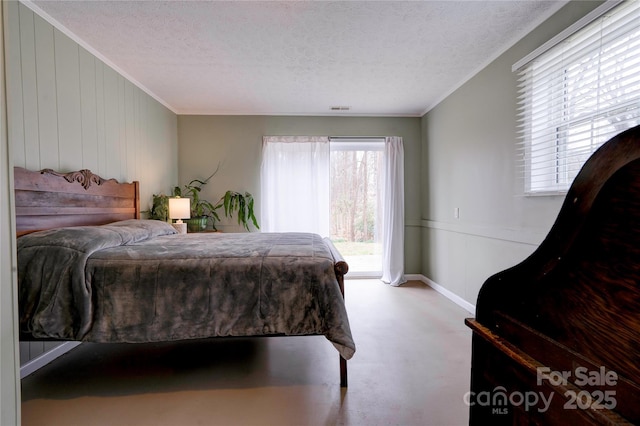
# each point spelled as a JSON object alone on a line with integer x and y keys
{"x": 561, "y": 116}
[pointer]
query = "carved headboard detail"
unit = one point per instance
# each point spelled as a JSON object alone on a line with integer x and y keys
{"x": 48, "y": 199}
{"x": 85, "y": 177}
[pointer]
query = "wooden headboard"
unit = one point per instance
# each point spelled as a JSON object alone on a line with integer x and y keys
{"x": 47, "y": 199}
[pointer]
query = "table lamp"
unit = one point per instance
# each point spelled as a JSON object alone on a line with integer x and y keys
{"x": 179, "y": 208}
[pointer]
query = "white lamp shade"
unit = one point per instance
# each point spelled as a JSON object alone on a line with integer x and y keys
{"x": 179, "y": 208}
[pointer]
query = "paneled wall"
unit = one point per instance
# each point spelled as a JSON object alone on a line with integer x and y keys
{"x": 68, "y": 110}
{"x": 10, "y": 413}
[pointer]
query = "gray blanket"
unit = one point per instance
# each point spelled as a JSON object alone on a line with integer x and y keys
{"x": 138, "y": 281}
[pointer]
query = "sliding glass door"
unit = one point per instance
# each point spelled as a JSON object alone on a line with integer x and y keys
{"x": 355, "y": 210}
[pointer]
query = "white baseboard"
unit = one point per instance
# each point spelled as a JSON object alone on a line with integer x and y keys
{"x": 363, "y": 275}
{"x": 46, "y": 358}
{"x": 445, "y": 292}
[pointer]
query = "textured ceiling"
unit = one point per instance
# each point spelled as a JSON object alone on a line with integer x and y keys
{"x": 298, "y": 57}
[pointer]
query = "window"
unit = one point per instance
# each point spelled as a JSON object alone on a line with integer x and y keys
{"x": 577, "y": 95}
{"x": 356, "y": 207}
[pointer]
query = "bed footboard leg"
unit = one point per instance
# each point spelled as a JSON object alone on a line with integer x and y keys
{"x": 341, "y": 268}
{"x": 343, "y": 372}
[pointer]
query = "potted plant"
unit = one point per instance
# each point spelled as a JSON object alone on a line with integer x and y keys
{"x": 159, "y": 208}
{"x": 203, "y": 211}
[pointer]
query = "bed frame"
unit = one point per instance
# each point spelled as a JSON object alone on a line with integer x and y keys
{"x": 48, "y": 199}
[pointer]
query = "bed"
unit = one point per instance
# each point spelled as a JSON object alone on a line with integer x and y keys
{"x": 556, "y": 338}
{"x": 89, "y": 269}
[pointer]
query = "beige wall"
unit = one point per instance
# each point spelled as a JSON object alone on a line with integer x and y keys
{"x": 468, "y": 162}
{"x": 67, "y": 110}
{"x": 236, "y": 142}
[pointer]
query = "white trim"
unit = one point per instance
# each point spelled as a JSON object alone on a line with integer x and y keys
{"x": 66, "y": 31}
{"x": 44, "y": 359}
{"x": 302, "y": 114}
{"x": 363, "y": 275}
{"x": 576, "y": 26}
{"x": 471, "y": 308}
{"x": 520, "y": 236}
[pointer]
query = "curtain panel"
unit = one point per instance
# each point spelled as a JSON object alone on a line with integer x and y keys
{"x": 295, "y": 184}
{"x": 393, "y": 212}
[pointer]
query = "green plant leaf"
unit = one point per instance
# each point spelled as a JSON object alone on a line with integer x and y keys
{"x": 232, "y": 202}
{"x": 242, "y": 214}
{"x": 251, "y": 215}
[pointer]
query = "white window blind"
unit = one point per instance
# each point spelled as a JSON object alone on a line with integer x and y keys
{"x": 577, "y": 95}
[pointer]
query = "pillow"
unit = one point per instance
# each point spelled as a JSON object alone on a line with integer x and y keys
{"x": 142, "y": 229}
{"x": 87, "y": 239}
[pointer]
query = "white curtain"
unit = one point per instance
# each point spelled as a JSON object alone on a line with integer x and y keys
{"x": 295, "y": 184}
{"x": 393, "y": 212}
